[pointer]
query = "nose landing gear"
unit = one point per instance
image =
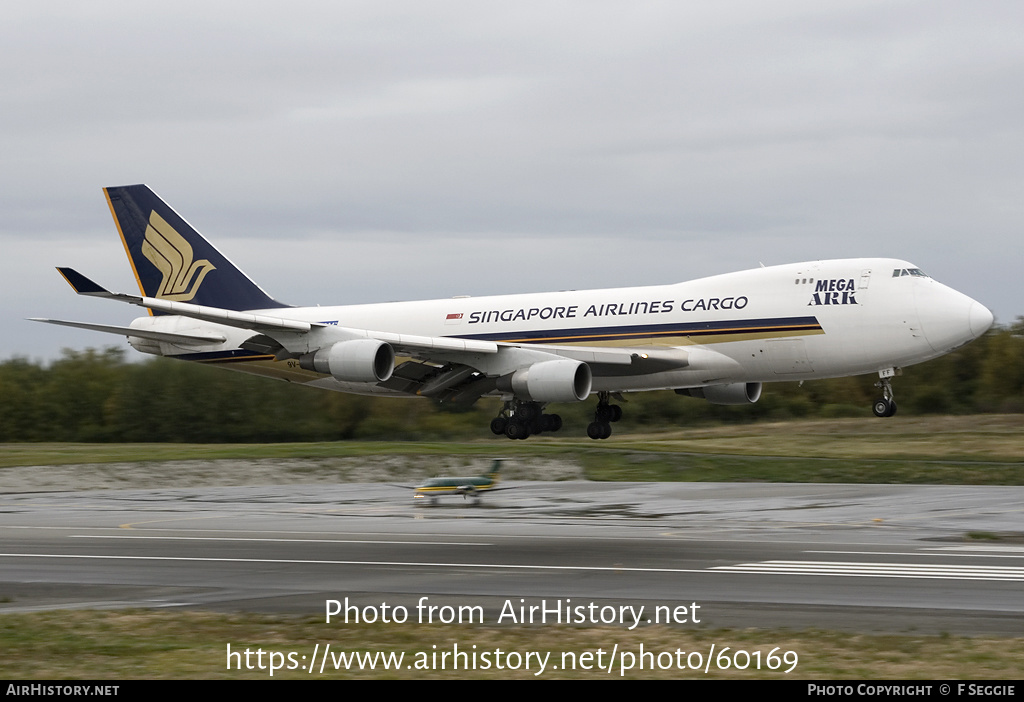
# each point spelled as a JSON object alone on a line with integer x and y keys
{"x": 886, "y": 405}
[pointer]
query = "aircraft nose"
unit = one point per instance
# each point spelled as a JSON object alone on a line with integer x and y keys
{"x": 949, "y": 318}
{"x": 980, "y": 319}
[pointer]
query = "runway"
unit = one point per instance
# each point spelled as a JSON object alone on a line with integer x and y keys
{"x": 868, "y": 558}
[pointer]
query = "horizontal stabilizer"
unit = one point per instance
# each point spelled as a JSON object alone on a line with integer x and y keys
{"x": 169, "y": 337}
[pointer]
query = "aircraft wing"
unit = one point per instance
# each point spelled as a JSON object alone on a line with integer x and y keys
{"x": 448, "y": 368}
{"x": 273, "y": 325}
{"x": 244, "y": 320}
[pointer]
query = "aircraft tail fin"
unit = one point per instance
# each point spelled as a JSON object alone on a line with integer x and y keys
{"x": 495, "y": 472}
{"x": 172, "y": 261}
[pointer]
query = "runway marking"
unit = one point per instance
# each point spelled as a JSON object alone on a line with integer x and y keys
{"x": 978, "y": 547}
{"x": 879, "y": 570}
{"x": 818, "y": 568}
{"x": 297, "y": 541}
{"x": 928, "y": 553}
{"x": 409, "y": 564}
{"x": 547, "y": 537}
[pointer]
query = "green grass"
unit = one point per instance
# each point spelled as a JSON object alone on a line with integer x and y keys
{"x": 710, "y": 468}
{"x": 976, "y": 450}
{"x": 63, "y": 453}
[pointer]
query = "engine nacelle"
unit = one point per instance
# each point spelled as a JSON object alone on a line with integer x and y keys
{"x": 356, "y": 361}
{"x": 550, "y": 381}
{"x": 731, "y": 394}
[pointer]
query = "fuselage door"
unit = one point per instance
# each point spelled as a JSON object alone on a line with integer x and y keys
{"x": 865, "y": 278}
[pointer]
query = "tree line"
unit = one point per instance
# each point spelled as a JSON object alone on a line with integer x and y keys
{"x": 98, "y": 395}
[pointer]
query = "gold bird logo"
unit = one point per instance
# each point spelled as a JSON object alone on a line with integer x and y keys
{"x": 172, "y": 255}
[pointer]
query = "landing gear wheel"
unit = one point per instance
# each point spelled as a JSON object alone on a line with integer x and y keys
{"x": 884, "y": 408}
{"x": 498, "y": 425}
{"x": 604, "y": 415}
{"x": 515, "y": 430}
{"x": 555, "y": 422}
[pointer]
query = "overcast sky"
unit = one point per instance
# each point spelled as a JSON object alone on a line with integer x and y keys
{"x": 366, "y": 151}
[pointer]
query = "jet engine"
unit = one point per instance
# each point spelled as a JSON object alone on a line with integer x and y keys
{"x": 731, "y": 394}
{"x": 550, "y": 381}
{"x": 356, "y": 361}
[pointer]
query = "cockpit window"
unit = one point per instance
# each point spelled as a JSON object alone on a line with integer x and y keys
{"x": 916, "y": 272}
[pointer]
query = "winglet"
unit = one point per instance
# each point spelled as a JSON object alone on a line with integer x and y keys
{"x": 82, "y": 285}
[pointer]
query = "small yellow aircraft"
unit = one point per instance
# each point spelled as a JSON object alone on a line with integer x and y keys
{"x": 472, "y": 486}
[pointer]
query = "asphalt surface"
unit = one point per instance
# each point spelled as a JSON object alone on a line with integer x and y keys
{"x": 865, "y": 558}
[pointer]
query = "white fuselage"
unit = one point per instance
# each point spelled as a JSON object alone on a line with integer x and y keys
{"x": 791, "y": 322}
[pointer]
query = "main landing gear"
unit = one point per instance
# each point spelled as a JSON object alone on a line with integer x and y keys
{"x": 886, "y": 406}
{"x": 519, "y": 419}
{"x": 605, "y": 414}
